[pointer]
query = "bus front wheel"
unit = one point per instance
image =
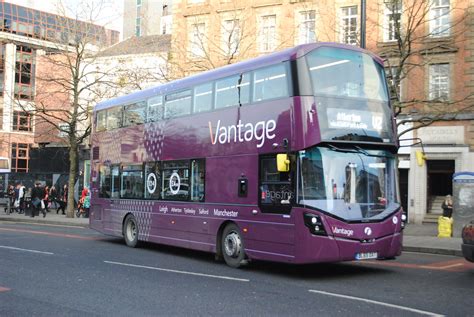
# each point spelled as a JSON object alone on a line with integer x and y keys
{"x": 233, "y": 246}
{"x": 130, "y": 231}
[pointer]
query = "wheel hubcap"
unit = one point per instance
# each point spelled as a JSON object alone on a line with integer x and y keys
{"x": 233, "y": 244}
{"x": 131, "y": 231}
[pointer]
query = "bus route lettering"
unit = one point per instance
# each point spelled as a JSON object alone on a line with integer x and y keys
{"x": 225, "y": 213}
{"x": 189, "y": 211}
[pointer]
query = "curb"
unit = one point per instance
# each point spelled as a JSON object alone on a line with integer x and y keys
{"x": 44, "y": 221}
{"x": 433, "y": 251}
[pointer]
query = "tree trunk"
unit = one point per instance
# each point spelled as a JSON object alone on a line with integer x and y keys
{"x": 72, "y": 180}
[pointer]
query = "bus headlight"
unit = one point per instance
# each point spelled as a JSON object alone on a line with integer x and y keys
{"x": 314, "y": 224}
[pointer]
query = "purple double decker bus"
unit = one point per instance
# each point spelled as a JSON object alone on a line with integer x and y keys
{"x": 288, "y": 157}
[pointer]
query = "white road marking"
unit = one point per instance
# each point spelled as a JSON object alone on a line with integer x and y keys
{"x": 25, "y": 250}
{"x": 422, "y": 312}
{"x": 179, "y": 272}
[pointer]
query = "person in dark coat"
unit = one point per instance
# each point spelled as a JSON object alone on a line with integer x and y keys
{"x": 37, "y": 196}
{"x": 447, "y": 206}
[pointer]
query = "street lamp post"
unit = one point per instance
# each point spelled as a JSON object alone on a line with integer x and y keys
{"x": 362, "y": 22}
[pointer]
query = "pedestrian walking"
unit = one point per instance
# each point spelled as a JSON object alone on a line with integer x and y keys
{"x": 62, "y": 202}
{"x": 11, "y": 199}
{"x": 37, "y": 196}
{"x": 20, "y": 193}
{"x": 84, "y": 203}
{"x": 46, "y": 198}
{"x": 53, "y": 198}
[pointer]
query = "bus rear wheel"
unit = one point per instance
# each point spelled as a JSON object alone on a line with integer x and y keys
{"x": 130, "y": 231}
{"x": 232, "y": 245}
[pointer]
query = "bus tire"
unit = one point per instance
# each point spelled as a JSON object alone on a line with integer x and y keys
{"x": 130, "y": 231}
{"x": 232, "y": 246}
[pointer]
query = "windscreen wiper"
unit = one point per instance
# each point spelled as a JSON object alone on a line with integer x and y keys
{"x": 357, "y": 137}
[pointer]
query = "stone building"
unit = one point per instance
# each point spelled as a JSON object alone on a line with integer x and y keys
{"x": 146, "y": 17}
{"x": 434, "y": 83}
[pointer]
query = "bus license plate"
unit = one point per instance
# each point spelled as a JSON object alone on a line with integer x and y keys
{"x": 366, "y": 256}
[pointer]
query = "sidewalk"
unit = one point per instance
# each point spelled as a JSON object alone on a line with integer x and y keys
{"x": 417, "y": 238}
{"x": 51, "y": 218}
{"x": 423, "y": 238}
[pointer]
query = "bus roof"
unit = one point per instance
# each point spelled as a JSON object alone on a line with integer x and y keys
{"x": 228, "y": 70}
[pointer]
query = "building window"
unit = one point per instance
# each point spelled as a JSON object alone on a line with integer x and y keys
{"x": 392, "y": 20}
{"x": 307, "y": 27}
{"x": 439, "y": 18}
{"x": 63, "y": 129}
{"x": 20, "y": 157}
{"x": 349, "y": 25}
{"x": 138, "y": 28}
{"x": 197, "y": 40}
{"x": 439, "y": 82}
{"x": 230, "y": 37}
{"x": 166, "y": 24}
{"x": 394, "y": 86}
{"x": 268, "y": 33}
{"x": 22, "y": 121}
{"x": 24, "y": 73}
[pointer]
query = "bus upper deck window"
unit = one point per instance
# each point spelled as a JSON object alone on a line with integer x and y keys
{"x": 202, "y": 98}
{"x": 270, "y": 83}
{"x": 101, "y": 124}
{"x": 134, "y": 114}
{"x": 154, "y": 109}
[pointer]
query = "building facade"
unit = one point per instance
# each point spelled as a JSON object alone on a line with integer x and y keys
{"x": 146, "y": 17}
{"x": 26, "y": 37}
{"x": 428, "y": 48}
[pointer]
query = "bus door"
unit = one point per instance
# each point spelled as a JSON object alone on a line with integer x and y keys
{"x": 276, "y": 198}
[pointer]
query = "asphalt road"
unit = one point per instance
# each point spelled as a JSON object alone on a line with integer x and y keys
{"x": 66, "y": 271}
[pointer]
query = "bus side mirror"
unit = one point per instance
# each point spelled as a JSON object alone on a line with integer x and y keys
{"x": 283, "y": 163}
{"x": 420, "y": 157}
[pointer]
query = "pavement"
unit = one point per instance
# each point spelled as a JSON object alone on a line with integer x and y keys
{"x": 417, "y": 237}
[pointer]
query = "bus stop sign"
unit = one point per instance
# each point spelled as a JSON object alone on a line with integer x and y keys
{"x": 463, "y": 200}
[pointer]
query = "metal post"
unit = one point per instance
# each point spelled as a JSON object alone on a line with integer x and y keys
{"x": 362, "y": 22}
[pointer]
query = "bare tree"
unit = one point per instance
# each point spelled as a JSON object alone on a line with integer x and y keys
{"x": 212, "y": 43}
{"x": 415, "y": 38}
{"x": 69, "y": 82}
